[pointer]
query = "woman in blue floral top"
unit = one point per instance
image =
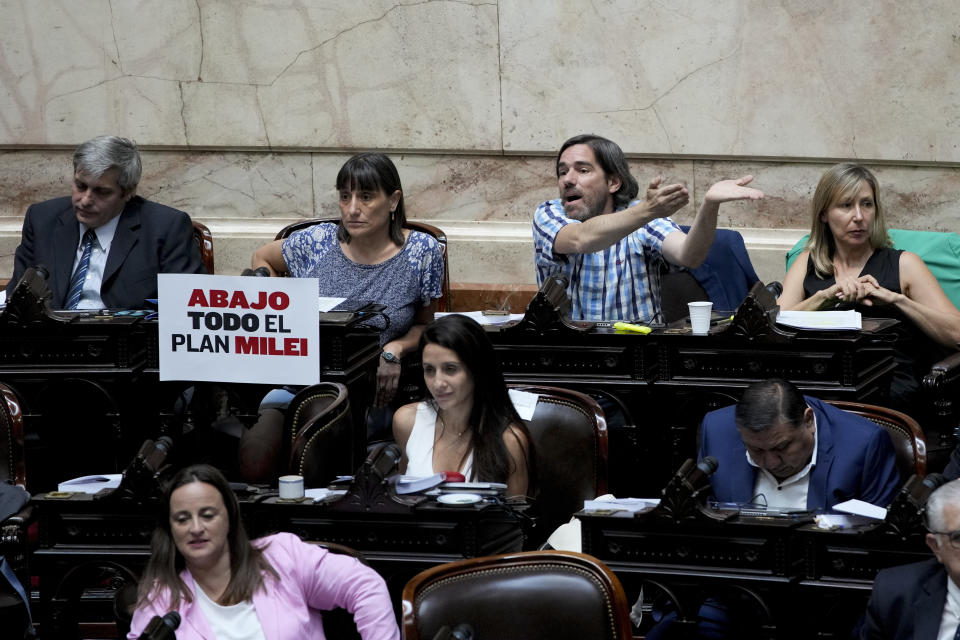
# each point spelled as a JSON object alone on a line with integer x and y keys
{"x": 370, "y": 257}
{"x": 367, "y": 257}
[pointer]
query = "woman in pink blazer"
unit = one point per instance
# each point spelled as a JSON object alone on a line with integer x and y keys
{"x": 224, "y": 585}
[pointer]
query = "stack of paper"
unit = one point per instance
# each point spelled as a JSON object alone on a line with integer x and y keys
{"x": 631, "y": 505}
{"x": 91, "y": 484}
{"x": 821, "y": 320}
{"x": 483, "y": 319}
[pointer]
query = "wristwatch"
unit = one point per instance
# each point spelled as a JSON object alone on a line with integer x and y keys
{"x": 390, "y": 357}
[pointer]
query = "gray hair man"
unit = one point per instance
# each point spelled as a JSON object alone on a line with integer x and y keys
{"x": 922, "y": 600}
{"x": 103, "y": 245}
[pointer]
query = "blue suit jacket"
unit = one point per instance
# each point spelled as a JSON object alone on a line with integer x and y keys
{"x": 727, "y": 273}
{"x": 150, "y": 239}
{"x": 855, "y": 459}
{"x": 906, "y": 603}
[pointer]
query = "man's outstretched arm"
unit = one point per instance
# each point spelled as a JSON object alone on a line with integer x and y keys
{"x": 690, "y": 249}
{"x": 599, "y": 232}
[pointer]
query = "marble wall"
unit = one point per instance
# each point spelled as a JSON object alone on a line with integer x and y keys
{"x": 246, "y": 108}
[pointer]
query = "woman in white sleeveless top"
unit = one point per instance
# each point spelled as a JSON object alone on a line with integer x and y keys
{"x": 468, "y": 424}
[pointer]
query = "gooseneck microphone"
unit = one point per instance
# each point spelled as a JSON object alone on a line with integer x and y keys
{"x": 162, "y": 628}
{"x": 694, "y": 476}
{"x": 932, "y": 482}
{"x": 384, "y": 460}
{"x": 906, "y": 514}
{"x": 699, "y": 476}
{"x": 681, "y": 497}
{"x": 917, "y": 490}
{"x": 142, "y": 478}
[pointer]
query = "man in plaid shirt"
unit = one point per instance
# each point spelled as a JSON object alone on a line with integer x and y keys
{"x": 607, "y": 243}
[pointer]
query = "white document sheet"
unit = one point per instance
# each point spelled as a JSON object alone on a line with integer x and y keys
{"x": 821, "y": 320}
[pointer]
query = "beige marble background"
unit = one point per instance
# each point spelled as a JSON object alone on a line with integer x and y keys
{"x": 246, "y": 108}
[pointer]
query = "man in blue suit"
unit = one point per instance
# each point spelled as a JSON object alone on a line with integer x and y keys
{"x": 121, "y": 240}
{"x": 780, "y": 448}
{"x": 919, "y": 601}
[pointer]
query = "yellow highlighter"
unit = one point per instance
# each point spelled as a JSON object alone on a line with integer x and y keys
{"x": 634, "y": 328}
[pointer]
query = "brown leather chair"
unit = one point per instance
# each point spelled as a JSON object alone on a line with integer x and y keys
{"x": 905, "y": 432}
{"x": 569, "y": 435}
{"x": 204, "y": 240}
{"x": 534, "y": 594}
{"x": 12, "y": 467}
{"x": 318, "y": 434}
{"x": 13, "y": 530}
{"x": 443, "y": 303}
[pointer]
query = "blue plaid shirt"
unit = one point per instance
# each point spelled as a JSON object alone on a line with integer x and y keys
{"x": 621, "y": 282}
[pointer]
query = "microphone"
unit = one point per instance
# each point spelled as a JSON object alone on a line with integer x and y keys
{"x": 699, "y": 476}
{"x": 692, "y": 476}
{"x": 141, "y": 479}
{"x": 29, "y": 300}
{"x": 154, "y": 457}
{"x": 906, "y": 512}
{"x": 162, "y": 628}
{"x": 259, "y": 272}
{"x": 932, "y": 482}
{"x": 680, "y": 498}
{"x": 383, "y": 460}
{"x": 917, "y": 490}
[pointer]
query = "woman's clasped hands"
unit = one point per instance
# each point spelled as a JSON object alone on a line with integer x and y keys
{"x": 863, "y": 290}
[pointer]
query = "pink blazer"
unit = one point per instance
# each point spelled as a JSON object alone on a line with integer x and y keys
{"x": 311, "y": 579}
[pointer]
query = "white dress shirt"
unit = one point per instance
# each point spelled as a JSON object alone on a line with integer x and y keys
{"x": 951, "y": 612}
{"x": 792, "y": 492}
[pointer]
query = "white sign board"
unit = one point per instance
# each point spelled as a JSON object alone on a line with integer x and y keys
{"x": 238, "y": 329}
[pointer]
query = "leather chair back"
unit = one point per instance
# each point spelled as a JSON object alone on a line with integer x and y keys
{"x": 536, "y": 594}
{"x": 569, "y": 435}
{"x": 724, "y": 278}
{"x": 443, "y": 303}
{"x": 905, "y": 432}
{"x": 319, "y": 434}
{"x": 12, "y": 467}
{"x": 204, "y": 240}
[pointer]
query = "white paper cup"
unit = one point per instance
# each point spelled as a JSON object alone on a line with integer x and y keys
{"x": 700, "y": 317}
{"x": 291, "y": 487}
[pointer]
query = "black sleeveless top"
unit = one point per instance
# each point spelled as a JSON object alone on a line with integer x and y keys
{"x": 914, "y": 352}
{"x": 883, "y": 264}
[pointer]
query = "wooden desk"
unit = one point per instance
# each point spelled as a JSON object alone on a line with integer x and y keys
{"x": 90, "y": 390}
{"x": 795, "y": 581}
{"x": 656, "y": 388}
{"x": 91, "y": 546}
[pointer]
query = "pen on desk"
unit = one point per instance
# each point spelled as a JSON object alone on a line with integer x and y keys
{"x": 634, "y": 328}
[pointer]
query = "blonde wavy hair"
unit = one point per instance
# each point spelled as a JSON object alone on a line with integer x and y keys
{"x": 841, "y": 181}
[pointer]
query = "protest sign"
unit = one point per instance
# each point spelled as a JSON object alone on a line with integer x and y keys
{"x": 238, "y": 329}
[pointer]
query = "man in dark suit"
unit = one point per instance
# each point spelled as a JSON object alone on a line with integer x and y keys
{"x": 921, "y": 601}
{"x": 103, "y": 246}
{"x": 797, "y": 452}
